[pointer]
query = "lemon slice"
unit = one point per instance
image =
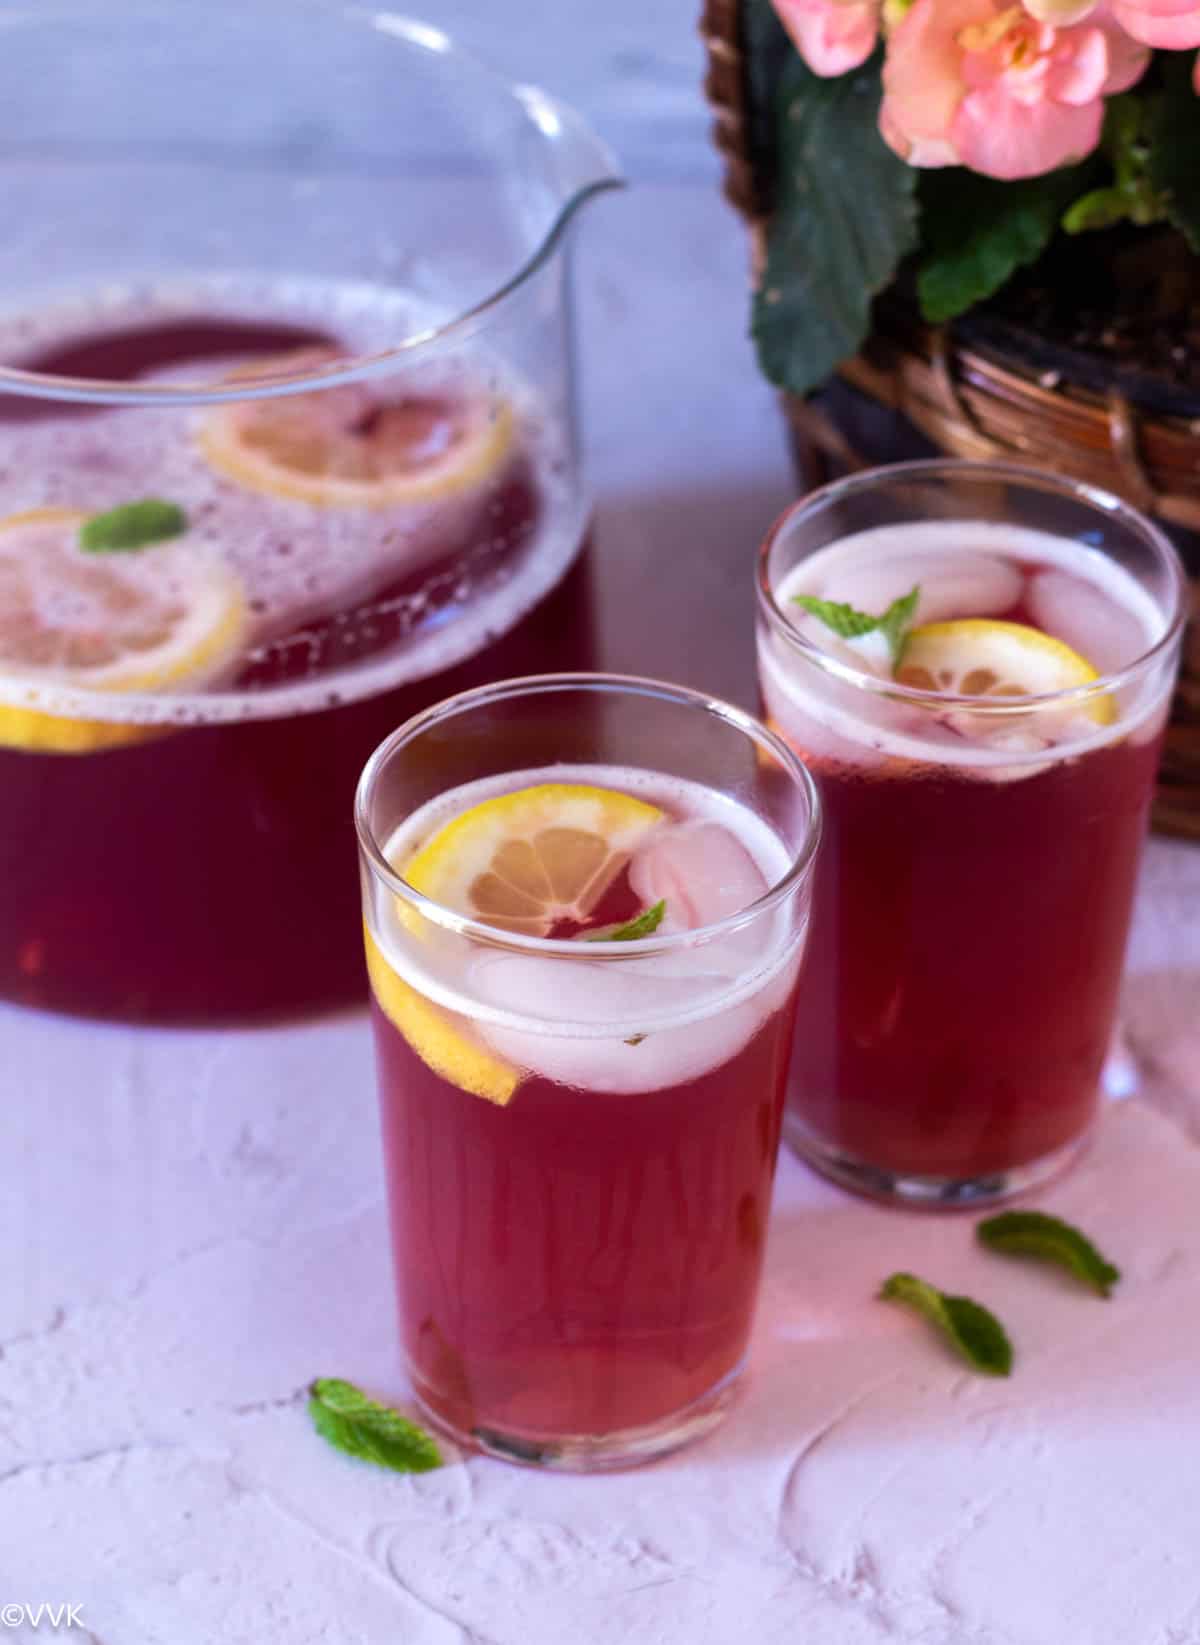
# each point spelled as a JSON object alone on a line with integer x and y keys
{"x": 159, "y": 619}
{"x": 525, "y": 860}
{"x": 976, "y": 657}
{"x": 432, "y": 1034}
{"x": 347, "y": 448}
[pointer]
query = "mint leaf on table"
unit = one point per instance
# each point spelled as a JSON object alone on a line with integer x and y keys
{"x": 843, "y": 218}
{"x": 132, "y": 526}
{"x": 972, "y": 1329}
{"x": 1034, "y": 1234}
{"x": 362, "y": 1428}
{"x": 850, "y": 623}
{"x": 977, "y": 232}
{"x": 644, "y": 924}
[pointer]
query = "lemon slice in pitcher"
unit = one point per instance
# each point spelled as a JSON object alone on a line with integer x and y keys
{"x": 525, "y": 861}
{"x": 346, "y": 447}
{"x": 168, "y": 617}
{"x": 978, "y": 657}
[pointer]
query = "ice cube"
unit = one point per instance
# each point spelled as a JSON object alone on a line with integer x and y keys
{"x": 952, "y": 584}
{"x": 1087, "y": 619}
{"x": 616, "y": 1006}
{"x": 702, "y": 872}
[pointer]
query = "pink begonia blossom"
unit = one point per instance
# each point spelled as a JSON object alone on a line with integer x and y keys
{"x": 832, "y": 36}
{"x": 983, "y": 84}
{"x": 1171, "y": 24}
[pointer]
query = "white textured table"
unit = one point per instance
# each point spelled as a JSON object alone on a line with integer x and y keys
{"x": 192, "y": 1226}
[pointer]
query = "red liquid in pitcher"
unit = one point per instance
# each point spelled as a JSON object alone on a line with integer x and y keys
{"x": 582, "y": 1259}
{"x": 973, "y": 896}
{"x": 206, "y": 869}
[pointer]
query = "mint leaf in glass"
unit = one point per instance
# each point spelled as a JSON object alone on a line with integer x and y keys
{"x": 1035, "y": 1234}
{"x": 897, "y": 621}
{"x": 843, "y": 619}
{"x": 644, "y": 924}
{"x": 976, "y": 1333}
{"x": 849, "y": 623}
{"x": 362, "y": 1428}
{"x": 132, "y": 526}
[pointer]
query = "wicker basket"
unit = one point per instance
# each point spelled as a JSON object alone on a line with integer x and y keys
{"x": 972, "y": 399}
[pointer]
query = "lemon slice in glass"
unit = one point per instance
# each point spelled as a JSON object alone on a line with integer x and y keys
{"x": 346, "y": 447}
{"x": 525, "y": 861}
{"x": 441, "y": 1040}
{"x": 521, "y": 862}
{"x": 977, "y": 657}
{"x": 167, "y": 617}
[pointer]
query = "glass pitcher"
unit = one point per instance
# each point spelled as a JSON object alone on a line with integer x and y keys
{"x": 287, "y": 452}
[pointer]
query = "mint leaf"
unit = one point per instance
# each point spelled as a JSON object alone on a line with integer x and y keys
{"x": 845, "y": 620}
{"x": 896, "y": 622}
{"x": 132, "y": 526}
{"x": 850, "y": 623}
{"x": 977, "y": 232}
{"x": 360, "y": 1427}
{"x": 1173, "y": 139}
{"x": 843, "y": 218}
{"x": 1034, "y": 1234}
{"x": 977, "y": 1334}
{"x": 644, "y": 924}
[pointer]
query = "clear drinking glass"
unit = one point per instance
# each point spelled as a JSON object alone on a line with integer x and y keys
{"x": 296, "y": 272}
{"x": 973, "y": 900}
{"x": 580, "y": 1135}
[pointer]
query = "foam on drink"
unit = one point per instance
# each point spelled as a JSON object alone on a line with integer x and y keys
{"x": 629, "y": 1021}
{"x": 297, "y": 562}
{"x": 967, "y": 568}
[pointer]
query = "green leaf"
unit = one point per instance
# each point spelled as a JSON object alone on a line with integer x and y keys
{"x": 360, "y": 1427}
{"x": 849, "y": 622}
{"x": 132, "y": 526}
{"x": 846, "y": 620}
{"x": 766, "y": 53}
{"x": 1132, "y": 196}
{"x": 644, "y": 924}
{"x": 1098, "y": 208}
{"x": 976, "y": 232}
{"x": 974, "y": 1331}
{"x": 844, "y": 218}
{"x": 896, "y": 622}
{"x": 1034, "y": 1234}
{"x": 1174, "y": 142}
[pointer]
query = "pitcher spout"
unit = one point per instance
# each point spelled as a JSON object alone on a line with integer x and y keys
{"x": 577, "y": 165}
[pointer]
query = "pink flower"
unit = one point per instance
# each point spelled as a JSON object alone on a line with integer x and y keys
{"x": 984, "y": 84}
{"x": 1173, "y": 24}
{"x": 832, "y": 36}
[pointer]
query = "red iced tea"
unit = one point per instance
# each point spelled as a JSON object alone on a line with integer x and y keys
{"x": 581, "y": 1140}
{"x": 972, "y": 905}
{"x": 191, "y": 856}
